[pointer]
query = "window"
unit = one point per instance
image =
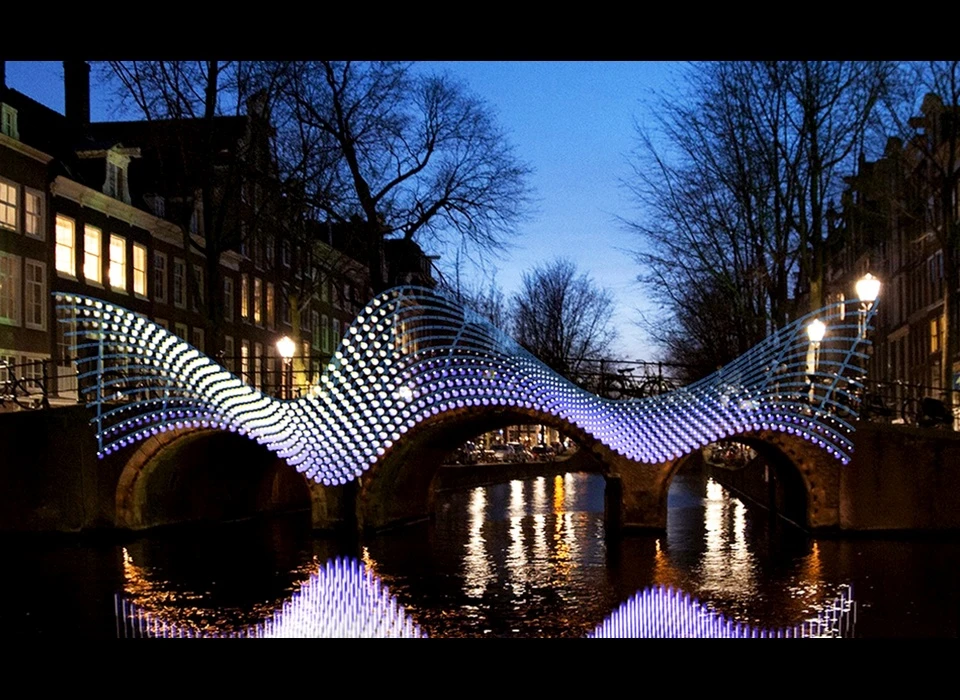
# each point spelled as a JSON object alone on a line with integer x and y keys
{"x": 65, "y": 246}
{"x": 180, "y": 329}
{"x": 228, "y": 352}
{"x": 336, "y": 332}
{"x": 179, "y": 283}
{"x": 115, "y": 184}
{"x": 245, "y": 360}
{"x": 315, "y": 323}
{"x": 198, "y": 291}
{"x": 257, "y": 365}
{"x": 33, "y": 214}
{"x": 9, "y": 193}
{"x": 257, "y": 300}
{"x": 92, "y": 269}
{"x": 140, "y": 269}
{"x": 228, "y": 298}
{"x": 162, "y": 322}
{"x": 285, "y": 252}
{"x": 160, "y": 276}
{"x": 285, "y": 311}
{"x": 325, "y": 334}
{"x": 197, "y": 339}
{"x": 271, "y": 312}
{"x": 9, "y": 289}
{"x": 270, "y": 383}
{"x": 35, "y": 293}
{"x": 8, "y": 121}
{"x": 118, "y": 263}
{"x": 325, "y": 291}
{"x": 271, "y": 247}
{"x": 244, "y": 297}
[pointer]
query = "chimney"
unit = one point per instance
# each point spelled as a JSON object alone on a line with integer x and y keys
{"x": 76, "y": 83}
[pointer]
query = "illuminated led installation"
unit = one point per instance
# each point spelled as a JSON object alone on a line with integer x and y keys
{"x": 412, "y": 354}
{"x": 341, "y": 599}
{"x": 661, "y": 612}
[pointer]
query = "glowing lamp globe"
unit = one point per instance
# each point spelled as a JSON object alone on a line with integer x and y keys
{"x": 286, "y": 347}
{"x": 816, "y": 330}
{"x": 868, "y": 288}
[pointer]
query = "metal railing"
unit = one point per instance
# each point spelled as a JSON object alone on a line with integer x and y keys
{"x": 900, "y": 402}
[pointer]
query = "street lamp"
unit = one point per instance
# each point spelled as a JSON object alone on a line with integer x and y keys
{"x": 868, "y": 289}
{"x": 286, "y": 347}
{"x": 816, "y": 329}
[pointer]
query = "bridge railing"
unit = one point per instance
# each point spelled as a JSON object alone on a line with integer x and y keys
{"x": 904, "y": 403}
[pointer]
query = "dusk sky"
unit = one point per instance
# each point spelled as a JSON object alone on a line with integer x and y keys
{"x": 573, "y": 122}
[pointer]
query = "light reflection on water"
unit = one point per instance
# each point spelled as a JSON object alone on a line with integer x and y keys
{"x": 527, "y": 558}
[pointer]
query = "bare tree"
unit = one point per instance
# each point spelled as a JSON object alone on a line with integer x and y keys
{"x": 563, "y": 318}
{"x": 735, "y": 201}
{"x": 402, "y": 154}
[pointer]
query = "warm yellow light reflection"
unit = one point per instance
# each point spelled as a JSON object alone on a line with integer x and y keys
{"x": 476, "y": 567}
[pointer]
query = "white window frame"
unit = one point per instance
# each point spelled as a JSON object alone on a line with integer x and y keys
{"x": 41, "y": 294}
{"x": 245, "y": 297}
{"x": 181, "y": 264}
{"x": 61, "y": 247}
{"x": 181, "y": 331}
{"x": 139, "y": 274}
{"x": 37, "y": 217}
{"x": 245, "y": 361}
{"x": 8, "y": 121}
{"x": 258, "y": 365}
{"x": 160, "y": 288}
{"x": 258, "y": 301}
{"x": 93, "y": 254}
{"x": 13, "y": 282}
{"x": 9, "y": 209}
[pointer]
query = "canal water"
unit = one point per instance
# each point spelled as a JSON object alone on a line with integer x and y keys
{"x": 522, "y": 559}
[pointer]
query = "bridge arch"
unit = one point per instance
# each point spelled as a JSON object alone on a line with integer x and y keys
{"x": 205, "y": 475}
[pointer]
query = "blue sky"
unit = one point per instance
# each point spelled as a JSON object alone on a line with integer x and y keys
{"x": 573, "y": 122}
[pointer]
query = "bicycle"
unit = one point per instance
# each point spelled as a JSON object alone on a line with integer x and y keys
{"x": 28, "y": 393}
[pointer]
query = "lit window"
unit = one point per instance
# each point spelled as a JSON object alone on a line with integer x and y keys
{"x": 257, "y": 300}
{"x": 33, "y": 215}
{"x": 198, "y": 295}
{"x": 257, "y": 364}
{"x": 160, "y": 276}
{"x": 8, "y": 205}
{"x": 271, "y": 314}
{"x": 179, "y": 283}
{"x": 9, "y": 289}
{"x": 245, "y": 360}
{"x": 228, "y": 299}
{"x": 66, "y": 241}
{"x": 244, "y": 297}
{"x": 118, "y": 263}
{"x": 36, "y": 295}
{"x": 140, "y": 269}
{"x": 92, "y": 269}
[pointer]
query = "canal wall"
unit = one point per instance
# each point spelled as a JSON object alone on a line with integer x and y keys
{"x": 901, "y": 478}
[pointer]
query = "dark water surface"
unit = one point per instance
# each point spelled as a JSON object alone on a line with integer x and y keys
{"x": 523, "y": 559}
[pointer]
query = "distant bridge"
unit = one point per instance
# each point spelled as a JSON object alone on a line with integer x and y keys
{"x": 416, "y": 370}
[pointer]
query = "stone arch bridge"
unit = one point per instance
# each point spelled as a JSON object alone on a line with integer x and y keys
{"x": 416, "y": 374}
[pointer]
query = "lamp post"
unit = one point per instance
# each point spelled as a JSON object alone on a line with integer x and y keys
{"x": 816, "y": 329}
{"x": 286, "y": 347}
{"x": 868, "y": 289}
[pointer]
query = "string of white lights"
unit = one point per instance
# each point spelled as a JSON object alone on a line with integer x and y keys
{"x": 412, "y": 354}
